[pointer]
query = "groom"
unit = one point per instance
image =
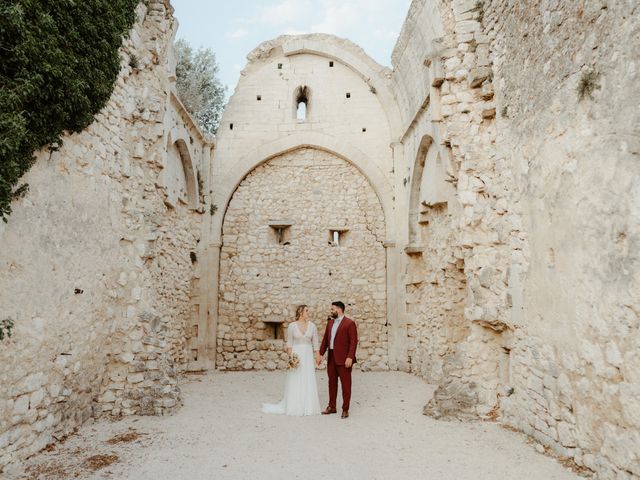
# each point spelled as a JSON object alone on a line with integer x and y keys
{"x": 341, "y": 339}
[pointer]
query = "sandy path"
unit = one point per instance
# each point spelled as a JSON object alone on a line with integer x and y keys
{"x": 220, "y": 433}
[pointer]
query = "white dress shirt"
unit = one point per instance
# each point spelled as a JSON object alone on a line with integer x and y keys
{"x": 334, "y": 330}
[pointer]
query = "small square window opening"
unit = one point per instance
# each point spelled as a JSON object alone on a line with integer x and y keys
{"x": 337, "y": 236}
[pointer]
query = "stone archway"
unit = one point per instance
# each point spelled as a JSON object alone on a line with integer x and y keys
{"x": 303, "y": 227}
{"x": 435, "y": 284}
{"x": 180, "y": 176}
{"x": 415, "y": 240}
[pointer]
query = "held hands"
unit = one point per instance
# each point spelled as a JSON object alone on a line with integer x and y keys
{"x": 348, "y": 363}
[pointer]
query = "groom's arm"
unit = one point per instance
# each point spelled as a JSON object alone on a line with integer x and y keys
{"x": 353, "y": 341}
{"x": 325, "y": 341}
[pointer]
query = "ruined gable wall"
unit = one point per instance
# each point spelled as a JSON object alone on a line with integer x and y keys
{"x": 95, "y": 269}
{"x": 262, "y": 280}
{"x": 273, "y": 74}
{"x": 349, "y": 166}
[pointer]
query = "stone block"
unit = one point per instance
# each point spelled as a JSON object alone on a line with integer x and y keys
{"x": 613, "y": 355}
{"x": 108, "y": 397}
{"x": 630, "y": 402}
{"x": 452, "y": 63}
{"x": 488, "y": 113}
{"x": 31, "y": 383}
{"x": 467, "y": 26}
{"x": 566, "y": 434}
{"x": 21, "y": 405}
{"x": 135, "y": 378}
{"x": 36, "y": 398}
{"x": 126, "y": 357}
{"x": 478, "y": 75}
{"x": 463, "y": 6}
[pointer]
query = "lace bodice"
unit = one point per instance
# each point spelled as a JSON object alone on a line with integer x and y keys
{"x": 295, "y": 337}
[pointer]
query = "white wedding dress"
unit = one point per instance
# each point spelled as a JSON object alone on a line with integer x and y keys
{"x": 301, "y": 389}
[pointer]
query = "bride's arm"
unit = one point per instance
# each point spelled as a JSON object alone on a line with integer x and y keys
{"x": 316, "y": 344}
{"x": 314, "y": 339}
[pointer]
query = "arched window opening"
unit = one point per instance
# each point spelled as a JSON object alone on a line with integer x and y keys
{"x": 414, "y": 198}
{"x": 301, "y": 112}
{"x": 302, "y": 103}
{"x": 179, "y": 176}
{"x": 431, "y": 191}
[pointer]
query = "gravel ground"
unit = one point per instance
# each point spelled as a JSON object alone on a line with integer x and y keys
{"x": 220, "y": 433}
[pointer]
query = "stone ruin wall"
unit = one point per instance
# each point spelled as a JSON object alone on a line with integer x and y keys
{"x": 433, "y": 280}
{"x": 513, "y": 192}
{"x": 262, "y": 279}
{"x": 459, "y": 227}
{"x": 319, "y": 173}
{"x": 435, "y": 296}
{"x": 544, "y": 177}
{"x": 100, "y": 294}
{"x": 569, "y": 121}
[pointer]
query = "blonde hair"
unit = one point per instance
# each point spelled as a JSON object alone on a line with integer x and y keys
{"x": 299, "y": 311}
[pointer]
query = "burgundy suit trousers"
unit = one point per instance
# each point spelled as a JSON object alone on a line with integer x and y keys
{"x": 334, "y": 372}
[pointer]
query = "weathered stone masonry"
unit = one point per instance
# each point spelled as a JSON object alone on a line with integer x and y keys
{"x": 329, "y": 171}
{"x": 102, "y": 296}
{"x": 550, "y": 319}
{"x": 484, "y": 192}
{"x": 309, "y": 194}
{"x": 573, "y": 143}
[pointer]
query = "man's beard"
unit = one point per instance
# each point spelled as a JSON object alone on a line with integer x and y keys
{"x": 334, "y": 315}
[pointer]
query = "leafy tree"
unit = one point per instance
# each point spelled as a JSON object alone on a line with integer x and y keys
{"x": 198, "y": 85}
{"x": 58, "y": 64}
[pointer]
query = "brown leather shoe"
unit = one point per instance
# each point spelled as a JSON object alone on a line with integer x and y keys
{"x": 345, "y": 414}
{"x": 329, "y": 410}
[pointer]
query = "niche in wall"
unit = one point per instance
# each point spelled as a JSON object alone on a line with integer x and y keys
{"x": 273, "y": 331}
{"x": 337, "y": 236}
{"x": 430, "y": 190}
{"x": 281, "y": 231}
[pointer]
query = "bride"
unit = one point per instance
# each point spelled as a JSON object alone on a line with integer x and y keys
{"x": 301, "y": 389}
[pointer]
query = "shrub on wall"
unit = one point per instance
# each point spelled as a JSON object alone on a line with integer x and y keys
{"x": 58, "y": 63}
{"x": 198, "y": 85}
{"x": 6, "y": 327}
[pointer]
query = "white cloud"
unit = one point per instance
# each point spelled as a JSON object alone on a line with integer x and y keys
{"x": 344, "y": 17}
{"x": 386, "y": 34}
{"x": 293, "y": 31}
{"x": 337, "y": 18}
{"x": 239, "y": 33}
{"x": 373, "y": 24}
{"x": 285, "y": 12}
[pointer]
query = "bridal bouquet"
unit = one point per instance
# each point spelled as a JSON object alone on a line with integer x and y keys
{"x": 294, "y": 361}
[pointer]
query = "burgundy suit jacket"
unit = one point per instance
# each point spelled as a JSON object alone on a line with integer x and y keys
{"x": 345, "y": 343}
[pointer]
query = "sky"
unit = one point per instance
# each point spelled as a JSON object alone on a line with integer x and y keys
{"x": 232, "y": 28}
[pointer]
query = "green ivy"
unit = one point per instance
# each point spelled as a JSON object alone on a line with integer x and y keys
{"x": 6, "y": 327}
{"x": 59, "y": 60}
